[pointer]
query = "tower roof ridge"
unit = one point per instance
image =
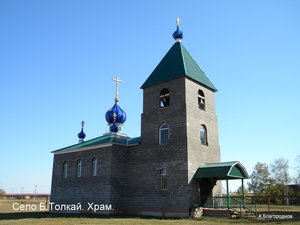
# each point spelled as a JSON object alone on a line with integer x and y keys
{"x": 183, "y": 60}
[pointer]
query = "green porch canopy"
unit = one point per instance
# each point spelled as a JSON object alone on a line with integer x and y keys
{"x": 222, "y": 171}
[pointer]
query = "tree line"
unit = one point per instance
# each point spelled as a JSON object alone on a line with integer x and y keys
{"x": 273, "y": 180}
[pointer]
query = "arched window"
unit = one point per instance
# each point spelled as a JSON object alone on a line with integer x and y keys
{"x": 94, "y": 167}
{"x": 78, "y": 168}
{"x": 164, "y": 98}
{"x": 201, "y": 100}
{"x": 65, "y": 170}
{"x": 164, "y": 134}
{"x": 163, "y": 180}
{"x": 203, "y": 135}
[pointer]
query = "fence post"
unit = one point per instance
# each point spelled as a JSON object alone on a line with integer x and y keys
{"x": 241, "y": 216}
{"x": 228, "y": 198}
{"x": 243, "y": 194}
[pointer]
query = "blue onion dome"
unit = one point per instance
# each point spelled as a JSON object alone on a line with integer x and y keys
{"x": 178, "y": 34}
{"x": 115, "y": 118}
{"x": 114, "y": 128}
{"x": 115, "y": 115}
{"x": 81, "y": 135}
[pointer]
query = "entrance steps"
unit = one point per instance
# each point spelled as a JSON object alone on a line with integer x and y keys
{"x": 222, "y": 212}
{"x": 246, "y": 214}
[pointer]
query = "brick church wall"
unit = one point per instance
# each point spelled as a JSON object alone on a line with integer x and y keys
{"x": 86, "y": 188}
{"x": 200, "y": 154}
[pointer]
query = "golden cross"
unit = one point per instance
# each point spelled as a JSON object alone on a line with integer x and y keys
{"x": 117, "y": 80}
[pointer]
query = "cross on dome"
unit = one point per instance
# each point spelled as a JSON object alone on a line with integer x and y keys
{"x": 81, "y": 135}
{"x": 178, "y": 34}
{"x": 177, "y": 22}
{"x": 115, "y": 117}
{"x": 117, "y": 80}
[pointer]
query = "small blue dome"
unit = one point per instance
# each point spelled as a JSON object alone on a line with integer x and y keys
{"x": 114, "y": 128}
{"x": 115, "y": 117}
{"x": 81, "y": 135}
{"x": 178, "y": 34}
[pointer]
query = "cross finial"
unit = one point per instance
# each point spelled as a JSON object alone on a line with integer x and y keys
{"x": 117, "y": 80}
{"x": 82, "y": 124}
{"x": 177, "y": 22}
{"x": 177, "y": 35}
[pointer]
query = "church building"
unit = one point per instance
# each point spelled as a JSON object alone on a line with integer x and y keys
{"x": 173, "y": 167}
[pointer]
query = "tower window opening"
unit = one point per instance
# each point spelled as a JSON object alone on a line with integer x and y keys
{"x": 94, "y": 167}
{"x": 164, "y": 134}
{"x": 65, "y": 170}
{"x": 164, "y": 98}
{"x": 203, "y": 135}
{"x": 79, "y": 168}
{"x": 201, "y": 100}
{"x": 163, "y": 180}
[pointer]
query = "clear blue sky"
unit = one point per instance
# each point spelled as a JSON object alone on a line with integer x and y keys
{"x": 57, "y": 59}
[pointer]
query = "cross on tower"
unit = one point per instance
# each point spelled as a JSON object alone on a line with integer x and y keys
{"x": 177, "y": 22}
{"x": 117, "y": 80}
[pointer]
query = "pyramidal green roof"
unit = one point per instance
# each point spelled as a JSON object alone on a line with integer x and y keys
{"x": 177, "y": 63}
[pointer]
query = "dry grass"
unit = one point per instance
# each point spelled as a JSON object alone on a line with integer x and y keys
{"x": 9, "y": 216}
{"x": 45, "y": 220}
{"x": 6, "y": 205}
{"x": 279, "y": 208}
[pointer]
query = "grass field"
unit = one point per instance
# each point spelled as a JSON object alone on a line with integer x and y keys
{"x": 278, "y": 208}
{"x": 10, "y": 216}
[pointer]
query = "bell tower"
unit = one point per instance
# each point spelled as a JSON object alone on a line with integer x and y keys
{"x": 179, "y": 111}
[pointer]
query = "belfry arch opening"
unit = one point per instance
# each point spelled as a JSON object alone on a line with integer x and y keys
{"x": 164, "y": 98}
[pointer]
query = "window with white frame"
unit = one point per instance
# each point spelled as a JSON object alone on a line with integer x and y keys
{"x": 79, "y": 168}
{"x": 203, "y": 135}
{"x": 94, "y": 167}
{"x": 164, "y": 134}
{"x": 65, "y": 170}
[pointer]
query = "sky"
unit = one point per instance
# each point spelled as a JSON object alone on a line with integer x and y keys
{"x": 57, "y": 60}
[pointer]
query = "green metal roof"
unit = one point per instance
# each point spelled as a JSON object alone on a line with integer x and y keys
{"x": 222, "y": 171}
{"x": 177, "y": 63}
{"x": 104, "y": 139}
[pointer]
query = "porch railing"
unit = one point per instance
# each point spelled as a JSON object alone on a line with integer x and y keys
{"x": 231, "y": 202}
